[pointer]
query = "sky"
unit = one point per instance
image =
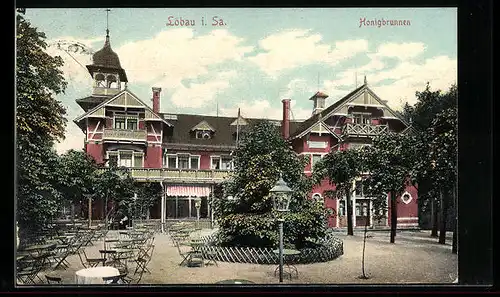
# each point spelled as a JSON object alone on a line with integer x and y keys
{"x": 252, "y": 58}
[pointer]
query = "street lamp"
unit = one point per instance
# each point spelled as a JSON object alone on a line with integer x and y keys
{"x": 197, "y": 205}
{"x": 281, "y": 194}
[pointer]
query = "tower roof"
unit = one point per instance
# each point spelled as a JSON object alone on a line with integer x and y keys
{"x": 107, "y": 59}
{"x": 319, "y": 95}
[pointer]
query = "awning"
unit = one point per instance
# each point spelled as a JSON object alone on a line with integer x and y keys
{"x": 192, "y": 191}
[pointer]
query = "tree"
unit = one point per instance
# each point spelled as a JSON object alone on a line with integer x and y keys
{"x": 77, "y": 172}
{"x": 116, "y": 188}
{"x": 444, "y": 155}
{"x": 39, "y": 122}
{"x": 147, "y": 195}
{"x": 390, "y": 162}
{"x": 248, "y": 220}
{"x": 341, "y": 168}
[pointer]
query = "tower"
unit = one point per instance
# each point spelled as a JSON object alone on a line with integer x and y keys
{"x": 319, "y": 102}
{"x": 106, "y": 70}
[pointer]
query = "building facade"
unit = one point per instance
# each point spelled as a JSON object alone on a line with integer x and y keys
{"x": 189, "y": 154}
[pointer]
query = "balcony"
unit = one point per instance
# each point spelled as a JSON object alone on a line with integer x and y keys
{"x": 363, "y": 129}
{"x": 105, "y": 91}
{"x": 178, "y": 175}
{"x": 126, "y": 135}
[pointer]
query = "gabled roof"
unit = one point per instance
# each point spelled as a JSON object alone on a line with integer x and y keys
{"x": 203, "y": 125}
{"x": 326, "y": 113}
{"x": 111, "y": 99}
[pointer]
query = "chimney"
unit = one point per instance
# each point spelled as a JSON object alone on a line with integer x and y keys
{"x": 156, "y": 99}
{"x": 285, "y": 125}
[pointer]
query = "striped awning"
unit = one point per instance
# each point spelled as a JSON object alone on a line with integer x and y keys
{"x": 188, "y": 191}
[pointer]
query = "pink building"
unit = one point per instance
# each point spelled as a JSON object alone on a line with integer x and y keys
{"x": 189, "y": 154}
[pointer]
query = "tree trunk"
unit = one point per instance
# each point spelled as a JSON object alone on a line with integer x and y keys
{"x": 394, "y": 216}
{"x": 363, "y": 276}
{"x": 73, "y": 214}
{"x": 434, "y": 217}
{"x": 348, "y": 206}
{"x": 454, "y": 248}
{"x": 442, "y": 231}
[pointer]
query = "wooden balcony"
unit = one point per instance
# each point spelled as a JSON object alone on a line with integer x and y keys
{"x": 126, "y": 135}
{"x": 178, "y": 175}
{"x": 363, "y": 129}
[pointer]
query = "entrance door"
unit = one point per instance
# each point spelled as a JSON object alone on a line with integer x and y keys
{"x": 362, "y": 212}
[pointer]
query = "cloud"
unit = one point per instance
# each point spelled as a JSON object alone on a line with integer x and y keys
{"x": 440, "y": 72}
{"x": 401, "y": 51}
{"x": 74, "y": 139}
{"x": 296, "y": 87}
{"x": 294, "y": 48}
{"x": 76, "y": 54}
{"x": 177, "y": 54}
{"x": 198, "y": 94}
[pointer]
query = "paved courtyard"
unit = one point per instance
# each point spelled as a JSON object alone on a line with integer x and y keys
{"x": 414, "y": 258}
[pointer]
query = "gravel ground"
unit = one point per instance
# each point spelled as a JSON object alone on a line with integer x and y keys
{"x": 414, "y": 258}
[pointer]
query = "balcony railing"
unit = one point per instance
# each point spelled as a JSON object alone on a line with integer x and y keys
{"x": 364, "y": 129}
{"x": 105, "y": 91}
{"x": 122, "y": 134}
{"x": 177, "y": 175}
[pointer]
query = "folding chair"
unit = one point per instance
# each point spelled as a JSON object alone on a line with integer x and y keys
{"x": 111, "y": 279}
{"x": 144, "y": 258}
{"x": 53, "y": 279}
{"x": 186, "y": 255}
{"x": 89, "y": 262}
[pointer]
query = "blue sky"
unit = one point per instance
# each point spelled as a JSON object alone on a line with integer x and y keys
{"x": 258, "y": 57}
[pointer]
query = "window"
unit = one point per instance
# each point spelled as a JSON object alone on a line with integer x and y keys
{"x": 359, "y": 188}
{"x": 315, "y": 158}
{"x": 195, "y": 161}
{"x": 125, "y": 160}
{"x": 119, "y": 123}
{"x": 215, "y": 163}
{"x": 172, "y": 161}
{"x": 317, "y": 197}
{"x": 341, "y": 211}
{"x": 201, "y": 134}
{"x": 131, "y": 124}
{"x": 183, "y": 162}
{"x": 406, "y": 197}
{"x": 362, "y": 119}
{"x": 362, "y": 208}
{"x": 226, "y": 163}
{"x": 137, "y": 160}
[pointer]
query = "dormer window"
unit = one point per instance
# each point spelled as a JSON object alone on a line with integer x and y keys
{"x": 203, "y": 134}
{"x": 203, "y": 130}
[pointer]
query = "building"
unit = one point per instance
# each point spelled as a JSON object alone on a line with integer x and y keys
{"x": 189, "y": 154}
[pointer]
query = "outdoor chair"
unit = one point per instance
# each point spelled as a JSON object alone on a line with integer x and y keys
{"x": 186, "y": 255}
{"x": 53, "y": 279}
{"x": 144, "y": 257}
{"x": 111, "y": 279}
{"x": 29, "y": 269}
{"x": 89, "y": 262}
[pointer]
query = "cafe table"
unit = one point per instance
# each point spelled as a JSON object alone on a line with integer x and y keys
{"x": 94, "y": 275}
{"x": 288, "y": 267}
{"x": 234, "y": 282}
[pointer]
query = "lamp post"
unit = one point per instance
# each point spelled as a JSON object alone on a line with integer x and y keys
{"x": 281, "y": 194}
{"x": 197, "y": 205}
{"x": 132, "y": 213}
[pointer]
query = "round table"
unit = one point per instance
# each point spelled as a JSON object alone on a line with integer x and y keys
{"x": 288, "y": 266}
{"x": 235, "y": 282}
{"x": 94, "y": 275}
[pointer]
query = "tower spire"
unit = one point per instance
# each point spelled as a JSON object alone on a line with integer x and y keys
{"x": 107, "y": 25}
{"x": 365, "y": 79}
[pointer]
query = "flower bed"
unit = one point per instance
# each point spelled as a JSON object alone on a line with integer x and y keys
{"x": 328, "y": 249}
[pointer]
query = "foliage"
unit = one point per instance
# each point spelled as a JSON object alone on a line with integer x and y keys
{"x": 249, "y": 220}
{"x": 39, "y": 122}
{"x": 39, "y": 117}
{"x": 341, "y": 168}
{"x": 147, "y": 194}
{"x": 116, "y": 186}
{"x": 76, "y": 174}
